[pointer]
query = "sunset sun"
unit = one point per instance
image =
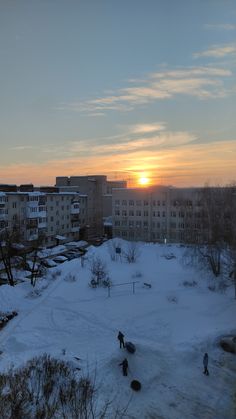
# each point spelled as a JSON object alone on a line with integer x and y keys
{"x": 143, "y": 181}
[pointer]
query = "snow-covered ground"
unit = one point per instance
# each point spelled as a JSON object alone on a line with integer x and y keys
{"x": 171, "y": 325}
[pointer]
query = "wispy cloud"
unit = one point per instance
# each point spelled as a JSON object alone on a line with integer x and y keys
{"x": 199, "y": 82}
{"x": 135, "y": 138}
{"x": 220, "y": 26}
{"x": 22, "y": 147}
{"x": 217, "y": 51}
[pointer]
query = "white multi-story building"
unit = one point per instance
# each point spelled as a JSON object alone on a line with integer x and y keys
{"x": 157, "y": 213}
{"x": 54, "y": 216}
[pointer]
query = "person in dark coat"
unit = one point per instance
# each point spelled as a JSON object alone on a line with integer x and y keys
{"x": 125, "y": 366}
{"x": 205, "y": 364}
{"x": 120, "y": 337}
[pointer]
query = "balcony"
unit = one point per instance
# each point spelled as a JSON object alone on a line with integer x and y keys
{"x": 75, "y": 208}
{"x": 42, "y": 211}
{"x": 75, "y": 227}
{"x": 32, "y": 212}
{"x": 42, "y": 223}
{"x": 3, "y": 214}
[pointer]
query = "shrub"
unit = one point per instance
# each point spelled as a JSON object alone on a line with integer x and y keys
{"x": 189, "y": 283}
{"x": 172, "y": 299}
{"x": 56, "y": 274}
{"x": 70, "y": 278}
{"x": 45, "y": 388}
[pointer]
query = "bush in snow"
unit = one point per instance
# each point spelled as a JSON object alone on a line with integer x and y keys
{"x": 137, "y": 274}
{"x": 70, "y": 278}
{"x": 47, "y": 388}
{"x": 99, "y": 272}
{"x": 131, "y": 253}
{"x": 172, "y": 299}
{"x": 114, "y": 249}
{"x": 189, "y": 283}
{"x": 56, "y": 274}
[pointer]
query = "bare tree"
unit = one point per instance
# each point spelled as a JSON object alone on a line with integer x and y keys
{"x": 132, "y": 252}
{"x": 114, "y": 249}
{"x": 9, "y": 238}
{"x": 36, "y": 267}
{"x": 215, "y": 234}
{"x": 98, "y": 270}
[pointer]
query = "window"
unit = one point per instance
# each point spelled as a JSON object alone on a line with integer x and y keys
{"x": 138, "y": 203}
{"x": 131, "y": 202}
{"x": 117, "y": 202}
{"x": 13, "y": 204}
{"x": 163, "y": 214}
{"x": 51, "y": 218}
{"x": 131, "y": 223}
{"x": 138, "y": 223}
{"x": 163, "y": 203}
{"x": 117, "y": 212}
{"x": 131, "y": 213}
{"x": 173, "y": 214}
{"x": 124, "y": 233}
{"x": 124, "y": 222}
{"x": 138, "y": 213}
{"x": 145, "y": 203}
{"x": 124, "y": 202}
{"x": 145, "y": 224}
{"x": 145, "y": 213}
{"x": 154, "y": 203}
{"x": 124, "y": 213}
{"x": 117, "y": 223}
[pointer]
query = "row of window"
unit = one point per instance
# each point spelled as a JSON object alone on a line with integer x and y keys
{"x": 139, "y": 202}
{"x": 134, "y": 234}
{"x": 139, "y": 213}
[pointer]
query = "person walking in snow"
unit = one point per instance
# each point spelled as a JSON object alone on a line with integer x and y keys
{"x": 120, "y": 337}
{"x": 125, "y": 367}
{"x": 205, "y": 364}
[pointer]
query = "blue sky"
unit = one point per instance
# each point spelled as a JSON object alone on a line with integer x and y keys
{"x": 118, "y": 87}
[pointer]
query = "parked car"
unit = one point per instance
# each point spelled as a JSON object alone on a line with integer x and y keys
{"x": 48, "y": 263}
{"x": 228, "y": 343}
{"x": 60, "y": 259}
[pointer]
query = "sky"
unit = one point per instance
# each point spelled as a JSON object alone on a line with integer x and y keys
{"x": 125, "y": 88}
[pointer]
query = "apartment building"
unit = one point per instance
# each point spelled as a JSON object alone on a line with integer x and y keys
{"x": 157, "y": 214}
{"x": 52, "y": 215}
{"x": 98, "y": 192}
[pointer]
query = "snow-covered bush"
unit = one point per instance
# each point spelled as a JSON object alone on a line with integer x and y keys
{"x": 172, "y": 299}
{"x": 131, "y": 253}
{"x": 114, "y": 249}
{"x": 98, "y": 271}
{"x": 189, "y": 283}
{"x": 56, "y": 274}
{"x": 137, "y": 274}
{"x": 45, "y": 388}
{"x": 70, "y": 278}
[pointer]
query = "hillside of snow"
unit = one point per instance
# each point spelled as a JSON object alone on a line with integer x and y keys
{"x": 171, "y": 324}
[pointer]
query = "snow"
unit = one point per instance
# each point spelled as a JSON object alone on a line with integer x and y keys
{"x": 171, "y": 325}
